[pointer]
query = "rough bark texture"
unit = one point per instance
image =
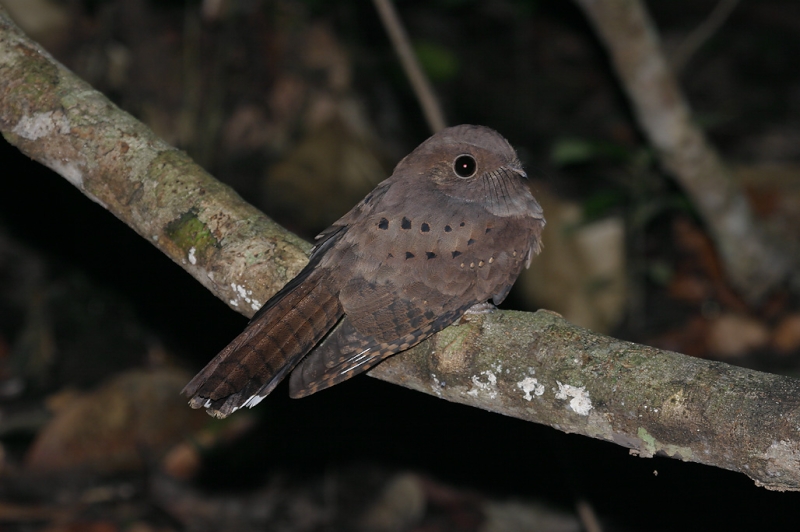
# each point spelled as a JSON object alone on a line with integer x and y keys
{"x": 539, "y": 367}
{"x": 57, "y": 119}
{"x": 755, "y": 263}
{"x": 532, "y": 366}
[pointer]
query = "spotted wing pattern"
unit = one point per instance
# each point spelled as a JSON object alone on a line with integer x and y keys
{"x": 401, "y": 293}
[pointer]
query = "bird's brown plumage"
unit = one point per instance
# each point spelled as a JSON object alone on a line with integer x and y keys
{"x": 406, "y": 262}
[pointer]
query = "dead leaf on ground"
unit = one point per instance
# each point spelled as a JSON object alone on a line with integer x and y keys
{"x": 786, "y": 336}
{"x": 701, "y": 260}
{"x": 689, "y": 339}
{"x": 134, "y": 417}
{"x": 735, "y": 335}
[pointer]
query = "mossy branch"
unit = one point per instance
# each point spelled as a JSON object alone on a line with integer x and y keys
{"x": 535, "y": 367}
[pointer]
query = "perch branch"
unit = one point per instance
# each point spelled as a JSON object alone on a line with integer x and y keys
{"x": 59, "y": 120}
{"x": 535, "y": 367}
{"x": 754, "y": 262}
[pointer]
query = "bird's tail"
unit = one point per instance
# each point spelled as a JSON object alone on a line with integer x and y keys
{"x": 279, "y": 335}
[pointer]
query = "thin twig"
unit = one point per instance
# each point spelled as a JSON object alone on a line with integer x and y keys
{"x": 419, "y": 82}
{"x": 701, "y": 34}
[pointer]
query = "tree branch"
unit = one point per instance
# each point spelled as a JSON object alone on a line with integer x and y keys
{"x": 755, "y": 262}
{"x": 535, "y": 367}
{"x": 59, "y": 120}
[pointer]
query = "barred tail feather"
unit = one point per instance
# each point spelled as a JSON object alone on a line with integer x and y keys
{"x": 278, "y": 336}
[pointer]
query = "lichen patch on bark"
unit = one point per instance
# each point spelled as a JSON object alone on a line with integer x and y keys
{"x": 40, "y": 125}
{"x": 579, "y": 400}
{"x": 192, "y": 236}
{"x": 530, "y": 385}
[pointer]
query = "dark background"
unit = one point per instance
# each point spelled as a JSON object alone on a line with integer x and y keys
{"x": 531, "y": 69}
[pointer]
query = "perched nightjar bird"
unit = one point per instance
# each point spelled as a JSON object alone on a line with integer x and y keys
{"x": 451, "y": 228}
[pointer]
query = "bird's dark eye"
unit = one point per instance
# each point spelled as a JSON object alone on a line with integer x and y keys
{"x": 464, "y": 166}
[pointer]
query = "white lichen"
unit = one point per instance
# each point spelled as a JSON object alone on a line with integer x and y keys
{"x": 245, "y": 294}
{"x": 579, "y": 402}
{"x": 192, "y": 257}
{"x": 528, "y": 385}
{"x": 781, "y": 457}
{"x": 489, "y": 387}
{"x": 436, "y": 387}
{"x": 40, "y": 125}
{"x": 239, "y": 289}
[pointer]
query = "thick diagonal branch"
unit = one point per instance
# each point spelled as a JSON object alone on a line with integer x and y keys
{"x": 59, "y": 120}
{"x": 532, "y": 366}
